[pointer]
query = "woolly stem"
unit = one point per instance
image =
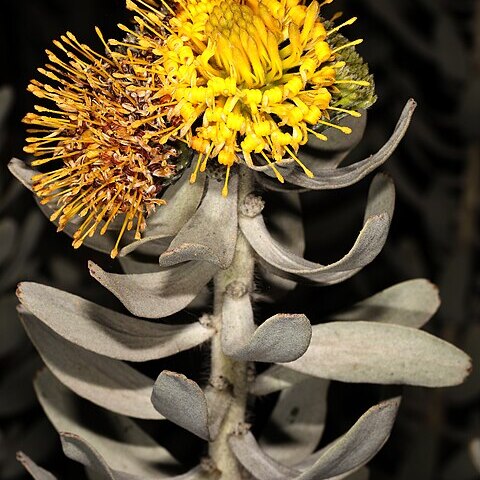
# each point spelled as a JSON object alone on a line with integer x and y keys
{"x": 226, "y": 372}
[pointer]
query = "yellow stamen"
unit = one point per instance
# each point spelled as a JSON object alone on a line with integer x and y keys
{"x": 347, "y": 45}
{"x": 225, "y": 185}
{"x": 308, "y": 172}
{"x": 353, "y": 113}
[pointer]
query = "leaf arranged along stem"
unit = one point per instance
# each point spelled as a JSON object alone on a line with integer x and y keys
{"x": 368, "y": 245}
{"x": 345, "y": 176}
{"x": 346, "y": 454}
{"x": 159, "y": 294}
{"x": 372, "y": 352}
{"x": 120, "y": 441}
{"x": 33, "y": 469}
{"x": 411, "y": 303}
{"x": 104, "y": 331}
{"x": 211, "y": 232}
{"x": 92, "y": 376}
{"x": 281, "y": 338}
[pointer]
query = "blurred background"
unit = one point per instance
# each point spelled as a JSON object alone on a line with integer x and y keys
{"x": 425, "y": 49}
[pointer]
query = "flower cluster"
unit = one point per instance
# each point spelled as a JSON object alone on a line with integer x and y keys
{"x": 234, "y": 81}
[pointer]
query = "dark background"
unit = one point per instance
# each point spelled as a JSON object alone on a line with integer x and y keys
{"x": 416, "y": 48}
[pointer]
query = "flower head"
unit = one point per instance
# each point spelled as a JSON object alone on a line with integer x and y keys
{"x": 249, "y": 79}
{"x": 237, "y": 81}
{"x": 112, "y": 157}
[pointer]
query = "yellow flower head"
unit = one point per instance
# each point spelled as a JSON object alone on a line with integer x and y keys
{"x": 112, "y": 157}
{"x": 249, "y": 79}
{"x": 234, "y": 80}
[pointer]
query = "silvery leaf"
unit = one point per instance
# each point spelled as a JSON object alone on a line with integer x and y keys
{"x": 132, "y": 265}
{"x": 256, "y": 462}
{"x": 411, "y": 303}
{"x": 16, "y": 392}
{"x": 297, "y": 422}
{"x": 370, "y": 352}
{"x": 120, "y": 441}
{"x": 346, "y": 176}
{"x": 183, "y": 402}
{"x": 152, "y": 246}
{"x": 76, "y": 448}
{"x": 281, "y": 338}
{"x": 211, "y": 233}
{"x": 346, "y": 454}
{"x": 286, "y": 227}
{"x": 367, "y": 246}
{"x": 157, "y": 295}
{"x": 104, "y": 331}
{"x": 90, "y": 375}
{"x": 22, "y": 172}
{"x": 33, "y": 469}
{"x": 12, "y": 334}
{"x": 182, "y": 200}
{"x": 8, "y": 234}
{"x": 79, "y": 450}
{"x": 276, "y": 378}
{"x": 318, "y": 155}
{"x": 474, "y": 450}
{"x": 356, "y": 447}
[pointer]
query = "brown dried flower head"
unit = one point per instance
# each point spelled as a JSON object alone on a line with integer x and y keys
{"x": 108, "y": 134}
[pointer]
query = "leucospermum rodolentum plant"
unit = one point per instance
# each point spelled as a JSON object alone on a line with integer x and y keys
{"x": 234, "y": 90}
{"x": 233, "y": 81}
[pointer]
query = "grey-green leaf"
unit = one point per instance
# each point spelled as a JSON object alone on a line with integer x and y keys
{"x": 356, "y": 447}
{"x": 104, "y": 331}
{"x": 182, "y": 200}
{"x": 367, "y": 246}
{"x": 411, "y": 303}
{"x": 371, "y": 352}
{"x": 276, "y": 378}
{"x": 346, "y": 176}
{"x": 76, "y": 448}
{"x": 281, "y": 338}
{"x": 80, "y": 451}
{"x": 90, "y": 375}
{"x": 33, "y": 469}
{"x": 255, "y": 461}
{"x": 22, "y": 172}
{"x": 297, "y": 422}
{"x": 183, "y": 402}
{"x": 159, "y": 294}
{"x": 343, "y": 456}
{"x": 121, "y": 442}
{"x": 211, "y": 233}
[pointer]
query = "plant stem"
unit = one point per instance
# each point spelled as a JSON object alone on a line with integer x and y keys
{"x": 224, "y": 370}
